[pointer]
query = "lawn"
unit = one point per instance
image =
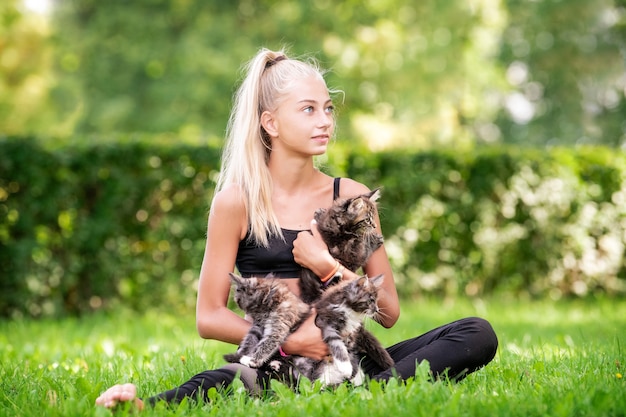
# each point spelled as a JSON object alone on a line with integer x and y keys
{"x": 556, "y": 358}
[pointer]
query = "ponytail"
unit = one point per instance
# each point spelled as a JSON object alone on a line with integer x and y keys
{"x": 248, "y": 147}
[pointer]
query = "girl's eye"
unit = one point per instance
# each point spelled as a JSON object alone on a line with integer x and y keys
{"x": 308, "y": 109}
{"x": 330, "y": 109}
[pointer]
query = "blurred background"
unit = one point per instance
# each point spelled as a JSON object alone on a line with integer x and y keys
{"x": 415, "y": 74}
{"x": 496, "y": 129}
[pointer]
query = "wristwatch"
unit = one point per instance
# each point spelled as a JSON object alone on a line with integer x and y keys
{"x": 339, "y": 274}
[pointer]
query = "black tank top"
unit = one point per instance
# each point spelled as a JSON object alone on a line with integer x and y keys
{"x": 276, "y": 258}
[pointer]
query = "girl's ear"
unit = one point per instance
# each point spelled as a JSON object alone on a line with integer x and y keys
{"x": 269, "y": 123}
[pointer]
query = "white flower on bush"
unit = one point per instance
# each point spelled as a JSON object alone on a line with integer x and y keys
{"x": 606, "y": 259}
{"x": 593, "y": 247}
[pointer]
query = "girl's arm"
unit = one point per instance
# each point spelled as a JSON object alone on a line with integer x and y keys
{"x": 226, "y": 227}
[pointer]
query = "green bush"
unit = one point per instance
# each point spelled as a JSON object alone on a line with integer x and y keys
{"x": 87, "y": 227}
{"x": 90, "y": 227}
{"x": 522, "y": 220}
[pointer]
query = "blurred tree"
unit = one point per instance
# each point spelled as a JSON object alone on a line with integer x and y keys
{"x": 148, "y": 66}
{"x": 569, "y": 82}
{"x": 418, "y": 74}
{"x": 25, "y": 70}
{"x": 423, "y": 73}
{"x": 411, "y": 72}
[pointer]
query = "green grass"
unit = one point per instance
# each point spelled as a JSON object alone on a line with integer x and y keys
{"x": 561, "y": 358}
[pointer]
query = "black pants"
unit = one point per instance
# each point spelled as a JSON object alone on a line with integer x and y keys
{"x": 454, "y": 350}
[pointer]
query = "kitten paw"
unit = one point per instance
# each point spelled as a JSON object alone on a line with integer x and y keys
{"x": 336, "y": 373}
{"x": 329, "y": 380}
{"x": 344, "y": 368}
{"x": 275, "y": 365}
{"x": 247, "y": 360}
{"x": 359, "y": 378}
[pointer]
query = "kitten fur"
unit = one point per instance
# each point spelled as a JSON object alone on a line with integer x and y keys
{"x": 349, "y": 230}
{"x": 341, "y": 311}
{"x": 275, "y": 312}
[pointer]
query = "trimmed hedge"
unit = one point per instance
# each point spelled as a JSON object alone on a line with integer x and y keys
{"x": 539, "y": 222}
{"x": 97, "y": 226}
{"x": 87, "y": 227}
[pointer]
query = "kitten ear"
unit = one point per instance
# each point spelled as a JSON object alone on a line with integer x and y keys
{"x": 235, "y": 279}
{"x": 362, "y": 280}
{"x": 319, "y": 213}
{"x": 377, "y": 281}
{"x": 373, "y": 195}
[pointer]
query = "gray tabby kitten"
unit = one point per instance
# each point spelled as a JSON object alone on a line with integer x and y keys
{"x": 275, "y": 312}
{"x": 349, "y": 230}
{"x": 341, "y": 311}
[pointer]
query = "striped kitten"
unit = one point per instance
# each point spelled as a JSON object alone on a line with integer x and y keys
{"x": 275, "y": 312}
{"x": 341, "y": 311}
{"x": 349, "y": 230}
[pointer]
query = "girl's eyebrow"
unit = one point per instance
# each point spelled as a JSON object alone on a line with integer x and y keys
{"x": 308, "y": 100}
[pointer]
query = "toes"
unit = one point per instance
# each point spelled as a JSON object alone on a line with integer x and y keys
{"x": 128, "y": 392}
{"x": 115, "y": 394}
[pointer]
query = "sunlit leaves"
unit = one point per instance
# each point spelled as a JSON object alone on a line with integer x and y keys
{"x": 416, "y": 74}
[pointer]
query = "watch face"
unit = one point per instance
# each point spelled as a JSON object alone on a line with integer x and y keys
{"x": 339, "y": 273}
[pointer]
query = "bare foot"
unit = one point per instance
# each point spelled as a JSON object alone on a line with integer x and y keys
{"x": 119, "y": 394}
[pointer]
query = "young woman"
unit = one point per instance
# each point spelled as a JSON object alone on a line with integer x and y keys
{"x": 261, "y": 221}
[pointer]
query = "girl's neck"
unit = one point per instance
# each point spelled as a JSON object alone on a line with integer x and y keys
{"x": 292, "y": 175}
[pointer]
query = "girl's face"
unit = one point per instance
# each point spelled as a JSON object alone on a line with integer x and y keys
{"x": 303, "y": 122}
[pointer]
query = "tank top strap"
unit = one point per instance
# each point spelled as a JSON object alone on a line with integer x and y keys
{"x": 336, "y": 189}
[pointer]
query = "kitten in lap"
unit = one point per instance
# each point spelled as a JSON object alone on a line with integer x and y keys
{"x": 341, "y": 311}
{"x": 349, "y": 230}
{"x": 275, "y": 312}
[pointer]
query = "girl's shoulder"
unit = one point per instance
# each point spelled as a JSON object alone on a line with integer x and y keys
{"x": 228, "y": 208}
{"x": 350, "y": 188}
{"x": 229, "y": 200}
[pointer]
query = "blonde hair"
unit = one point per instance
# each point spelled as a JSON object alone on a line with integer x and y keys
{"x": 268, "y": 76}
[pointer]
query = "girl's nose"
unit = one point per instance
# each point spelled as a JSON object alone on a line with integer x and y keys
{"x": 325, "y": 120}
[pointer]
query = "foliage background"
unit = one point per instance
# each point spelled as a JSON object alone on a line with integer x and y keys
{"x": 419, "y": 74}
{"x": 111, "y": 119}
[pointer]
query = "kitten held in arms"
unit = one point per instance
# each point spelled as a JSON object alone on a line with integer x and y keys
{"x": 275, "y": 312}
{"x": 341, "y": 312}
{"x": 349, "y": 230}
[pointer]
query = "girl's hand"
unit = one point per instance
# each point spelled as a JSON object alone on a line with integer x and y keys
{"x": 310, "y": 251}
{"x": 307, "y": 340}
